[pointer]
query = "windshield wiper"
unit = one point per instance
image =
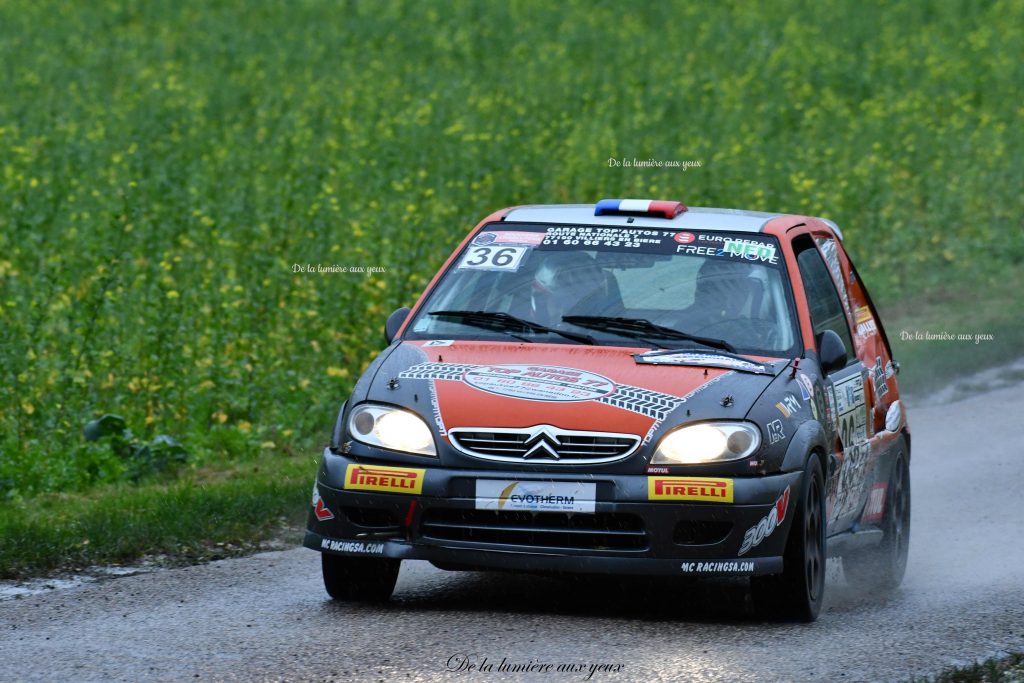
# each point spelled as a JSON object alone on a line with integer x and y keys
{"x": 503, "y": 322}
{"x": 639, "y": 328}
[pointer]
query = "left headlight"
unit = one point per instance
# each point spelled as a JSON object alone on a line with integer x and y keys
{"x": 708, "y": 442}
{"x": 390, "y": 427}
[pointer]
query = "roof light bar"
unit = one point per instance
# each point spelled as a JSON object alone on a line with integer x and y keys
{"x": 647, "y": 207}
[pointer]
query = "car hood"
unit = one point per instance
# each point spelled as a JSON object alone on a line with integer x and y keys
{"x": 594, "y": 388}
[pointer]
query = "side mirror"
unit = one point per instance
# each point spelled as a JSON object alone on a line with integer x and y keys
{"x": 832, "y": 352}
{"x": 395, "y": 321}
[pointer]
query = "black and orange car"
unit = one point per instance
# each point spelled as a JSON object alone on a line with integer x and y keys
{"x": 631, "y": 387}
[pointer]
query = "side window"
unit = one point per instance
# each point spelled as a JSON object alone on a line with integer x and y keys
{"x": 822, "y": 299}
{"x": 829, "y": 251}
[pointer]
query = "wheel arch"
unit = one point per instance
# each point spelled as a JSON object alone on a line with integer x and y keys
{"x": 809, "y": 440}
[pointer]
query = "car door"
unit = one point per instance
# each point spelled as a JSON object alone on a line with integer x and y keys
{"x": 846, "y": 412}
{"x": 880, "y": 387}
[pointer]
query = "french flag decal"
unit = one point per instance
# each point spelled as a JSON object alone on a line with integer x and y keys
{"x": 649, "y": 207}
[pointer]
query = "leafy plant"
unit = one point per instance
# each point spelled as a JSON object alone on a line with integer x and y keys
{"x": 162, "y": 454}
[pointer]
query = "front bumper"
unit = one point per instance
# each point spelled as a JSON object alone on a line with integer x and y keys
{"x": 627, "y": 533}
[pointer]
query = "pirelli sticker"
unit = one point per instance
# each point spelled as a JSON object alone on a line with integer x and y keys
{"x": 690, "y": 488}
{"x": 386, "y": 479}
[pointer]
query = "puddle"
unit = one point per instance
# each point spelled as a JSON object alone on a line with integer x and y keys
{"x": 10, "y": 590}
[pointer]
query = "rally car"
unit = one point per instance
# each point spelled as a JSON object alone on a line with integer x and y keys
{"x": 632, "y": 388}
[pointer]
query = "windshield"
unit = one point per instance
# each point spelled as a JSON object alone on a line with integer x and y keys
{"x": 614, "y": 286}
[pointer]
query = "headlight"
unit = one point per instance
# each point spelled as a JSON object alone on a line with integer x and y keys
{"x": 394, "y": 428}
{"x": 708, "y": 442}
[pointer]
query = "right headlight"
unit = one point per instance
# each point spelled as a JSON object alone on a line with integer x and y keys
{"x": 708, "y": 442}
{"x": 392, "y": 428}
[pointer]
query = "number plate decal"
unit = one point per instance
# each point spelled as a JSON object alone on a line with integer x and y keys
{"x": 535, "y": 496}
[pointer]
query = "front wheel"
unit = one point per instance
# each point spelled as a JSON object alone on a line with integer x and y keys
{"x": 883, "y": 567}
{"x": 362, "y": 579}
{"x": 797, "y": 593}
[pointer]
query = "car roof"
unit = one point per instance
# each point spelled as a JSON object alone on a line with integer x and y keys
{"x": 694, "y": 218}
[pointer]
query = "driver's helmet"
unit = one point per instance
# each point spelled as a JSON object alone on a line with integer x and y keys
{"x": 722, "y": 289}
{"x": 567, "y": 281}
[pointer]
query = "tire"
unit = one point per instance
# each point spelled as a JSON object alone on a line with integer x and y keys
{"x": 797, "y": 593}
{"x": 883, "y": 567}
{"x": 359, "y": 579}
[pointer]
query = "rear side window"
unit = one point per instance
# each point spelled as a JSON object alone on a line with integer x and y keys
{"x": 822, "y": 298}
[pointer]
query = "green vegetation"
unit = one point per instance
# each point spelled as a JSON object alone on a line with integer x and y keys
{"x": 165, "y": 165}
{"x": 204, "y": 516}
{"x": 1009, "y": 669}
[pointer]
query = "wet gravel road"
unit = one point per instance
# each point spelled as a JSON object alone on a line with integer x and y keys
{"x": 267, "y": 618}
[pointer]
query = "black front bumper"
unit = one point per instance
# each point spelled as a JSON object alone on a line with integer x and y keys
{"x": 625, "y": 534}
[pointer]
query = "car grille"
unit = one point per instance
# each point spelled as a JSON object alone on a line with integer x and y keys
{"x": 543, "y": 444}
{"x": 600, "y": 531}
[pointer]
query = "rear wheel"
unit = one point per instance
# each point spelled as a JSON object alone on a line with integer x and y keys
{"x": 363, "y": 579}
{"x": 883, "y": 566}
{"x": 797, "y": 593}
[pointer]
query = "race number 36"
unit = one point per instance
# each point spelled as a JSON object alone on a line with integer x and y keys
{"x": 493, "y": 258}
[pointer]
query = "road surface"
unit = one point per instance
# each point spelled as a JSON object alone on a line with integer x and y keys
{"x": 266, "y": 617}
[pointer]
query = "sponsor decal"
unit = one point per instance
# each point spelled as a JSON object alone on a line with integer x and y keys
{"x": 852, "y": 479}
{"x": 699, "y": 251}
{"x": 863, "y": 314}
{"x": 653, "y": 241}
{"x": 701, "y": 359}
{"x": 788, "y": 405}
{"x": 690, "y": 488}
{"x": 750, "y": 250}
{"x": 439, "y": 342}
{"x": 851, "y": 415}
{"x": 552, "y": 384}
{"x": 535, "y": 496}
{"x": 806, "y": 385}
{"x": 775, "y": 432}
{"x": 353, "y": 547}
{"x": 817, "y": 403}
{"x": 830, "y": 407}
{"x": 722, "y": 567}
{"x": 849, "y": 394}
{"x": 539, "y": 382}
{"x": 387, "y": 479}
{"x": 319, "y": 507}
{"x": 878, "y": 377}
{"x": 656, "y": 470}
{"x": 866, "y": 328}
{"x": 732, "y": 248}
{"x": 764, "y": 528}
{"x": 508, "y": 237}
{"x": 875, "y": 508}
{"x": 494, "y": 257}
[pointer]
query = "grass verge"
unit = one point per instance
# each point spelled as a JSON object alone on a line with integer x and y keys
{"x": 1008, "y": 669}
{"x": 210, "y": 513}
